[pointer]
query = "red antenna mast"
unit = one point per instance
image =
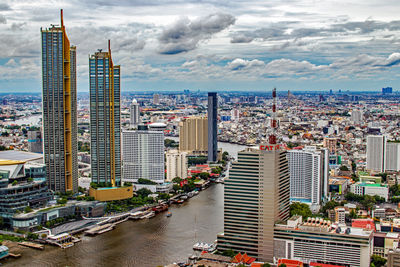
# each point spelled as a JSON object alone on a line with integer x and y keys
{"x": 274, "y": 125}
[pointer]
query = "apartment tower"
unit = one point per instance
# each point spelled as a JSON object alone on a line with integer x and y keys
{"x": 212, "y": 126}
{"x": 105, "y": 123}
{"x": 376, "y": 153}
{"x": 59, "y": 109}
{"x": 193, "y": 136}
{"x": 135, "y": 114}
{"x": 256, "y": 196}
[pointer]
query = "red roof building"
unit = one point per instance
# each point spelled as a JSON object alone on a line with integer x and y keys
{"x": 368, "y": 224}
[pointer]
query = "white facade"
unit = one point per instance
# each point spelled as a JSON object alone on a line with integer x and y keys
{"x": 308, "y": 175}
{"x": 143, "y": 155}
{"x": 135, "y": 113}
{"x": 371, "y": 190}
{"x": 235, "y": 114}
{"x": 176, "y": 165}
{"x": 392, "y": 156}
{"x": 356, "y": 116}
{"x": 376, "y": 152}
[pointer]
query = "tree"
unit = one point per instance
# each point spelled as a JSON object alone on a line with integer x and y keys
{"x": 368, "y": 202}
{"x": 353, "y": 214}
{"x": 343, "y": 168}
{"x": 229, "y": 253}
{"x": 27, "y": 209}
{"x": 282, "y": 265}
{"x": 146, "y": 181}
{"x": 330, "y": 205}
{"x": 266, "y": 265}
{"x": 15, "y": 182}
{"x": 383, "y": 175}
{"x": 143, "y": 192}
{"x": 378, "y": 261}
{"x": 302, "y": 209}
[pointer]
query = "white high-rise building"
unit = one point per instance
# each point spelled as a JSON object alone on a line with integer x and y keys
{"x": 356, "y": 116}
{"x": 376, "y": 153}
{"x": 392, "y": 156}
{"x": 235, "y": 114}
{"x": 176, "y": 165}
{"x": 143, "y": 155}
{"x": 308, "y": 175}
{"x": 135, "y": 113}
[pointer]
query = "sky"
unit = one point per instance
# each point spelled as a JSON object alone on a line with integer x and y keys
{"x": 212, "y": 44}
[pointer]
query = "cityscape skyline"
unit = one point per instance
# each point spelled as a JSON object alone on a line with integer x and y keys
{"x": 236, "y": 46}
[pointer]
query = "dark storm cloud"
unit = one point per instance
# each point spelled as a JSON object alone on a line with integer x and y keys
{"x": 185, "y": 34}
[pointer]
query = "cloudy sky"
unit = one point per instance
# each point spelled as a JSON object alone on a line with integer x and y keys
{"x": 213, "y": 44}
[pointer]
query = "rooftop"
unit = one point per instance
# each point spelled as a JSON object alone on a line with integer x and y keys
{"x": 20, "y": 155}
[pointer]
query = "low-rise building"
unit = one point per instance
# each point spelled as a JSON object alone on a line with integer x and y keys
{"x": 318, "y": 240}
{"x": 370, "y": 189}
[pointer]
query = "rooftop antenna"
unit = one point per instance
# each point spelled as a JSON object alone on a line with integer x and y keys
{"x": 272, "y": 137}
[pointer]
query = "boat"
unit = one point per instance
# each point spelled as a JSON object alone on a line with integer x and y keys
{"x": 160, "y": 208}
{"x": 184, "y": 197}
{"x": 149, "y": 215}
{"x": 205, "y": 247}
{"x": 169, "y": 214}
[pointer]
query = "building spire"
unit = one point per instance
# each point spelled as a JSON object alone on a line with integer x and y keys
{"x": 62, "y": 19}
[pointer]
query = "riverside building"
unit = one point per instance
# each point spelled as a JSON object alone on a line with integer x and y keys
{"x": 143, "y": 155}
{"x": 212, "y": 110}
{"x": 59, "y": 109}
{"x": 256, "y": 196}
{"x": 105, "y": 123}
{"x": 177, "y": 165}
{"x": 193, "y": 135}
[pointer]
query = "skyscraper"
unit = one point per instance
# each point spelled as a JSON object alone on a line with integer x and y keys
{"x": 35, "y": 143}
{"x": 212, "y": 127}
{"x": 59, "y": 109}
{"x": 256, "y": 196}
{"x": 143, "y": 155}
{"x": 193, "y": 136}
{"x": 308, "y": 175}
{"x": 356, "y": 116}
{"x": 376, "y": 152}
{"x": 135, "y": 113}
{"x": 105, "y": 132}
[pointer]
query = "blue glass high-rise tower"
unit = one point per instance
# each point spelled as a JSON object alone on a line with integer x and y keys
{"x": 59, "y": 109}
{"x": 105, "y": 123}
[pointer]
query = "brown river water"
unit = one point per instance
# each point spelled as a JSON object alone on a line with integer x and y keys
{"x": 151, "y": 242}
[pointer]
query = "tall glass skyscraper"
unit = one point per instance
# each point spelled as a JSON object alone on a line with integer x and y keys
{"x": 212, "y": 127}
{"x": 105, "y": 122}
{"x": 59, "y": 109}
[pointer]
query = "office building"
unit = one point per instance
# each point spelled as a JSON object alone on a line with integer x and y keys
{"x": 143, "y": 155}
{"x": 318, "y": 241}
{"x": 135, "y": 114}
{"x": 212, "y": 110}
{"x": 59, "y": 109}
{"x": 35, "y": 143}
{"x": 193, "y": 135}
{"x": 392, "y": 156}
{"x": 308, "y": 175}
{"x": 393, "y": 258}
{"x": 356, "y": 116}
{"x": 376, "y": 153}
{"x": 177, "y": 165}
{"x": 256, "y": 196}
{"x": 105, "y": 123}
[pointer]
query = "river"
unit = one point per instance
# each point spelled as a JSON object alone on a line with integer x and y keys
{"x": 152, "y": 242}
{"x": 232, "y": 149}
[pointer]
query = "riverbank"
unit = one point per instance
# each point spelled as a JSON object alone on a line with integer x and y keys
{"x": 148, "y": 243}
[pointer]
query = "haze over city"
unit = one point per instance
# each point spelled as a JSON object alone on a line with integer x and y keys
{"x": 212, "y": 45}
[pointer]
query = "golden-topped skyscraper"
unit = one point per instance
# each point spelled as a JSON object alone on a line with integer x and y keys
{"x": 59, "y": 109}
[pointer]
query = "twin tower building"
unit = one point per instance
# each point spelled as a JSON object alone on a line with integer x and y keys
{"x": 60, "y": 113}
